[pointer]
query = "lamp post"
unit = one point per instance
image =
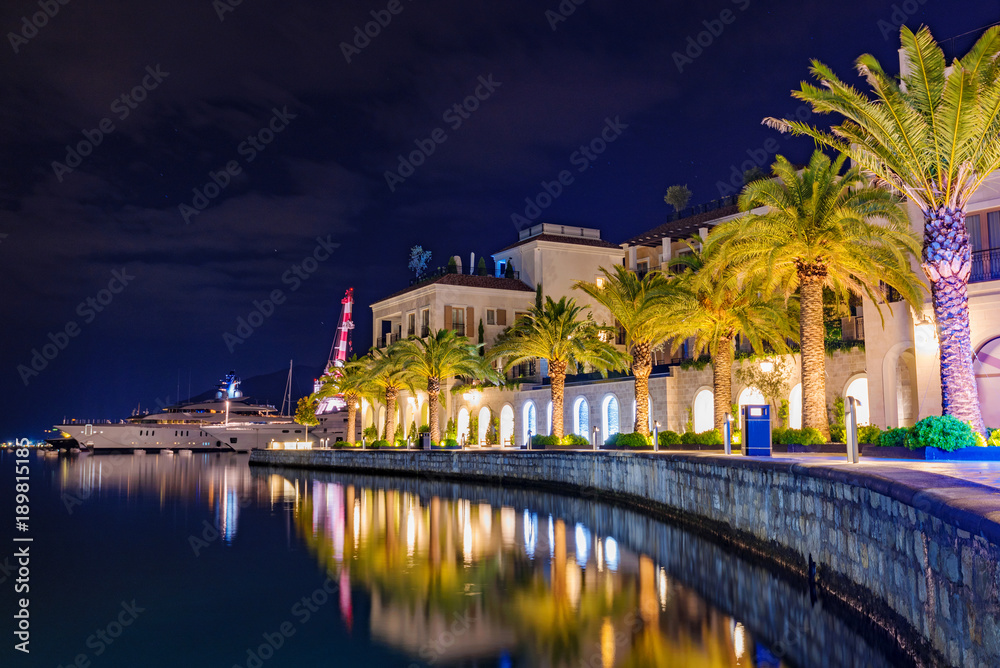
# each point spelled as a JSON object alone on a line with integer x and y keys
{"x": 596, "y": 431}
{"x": 656, "y": 437}
{"x": 852, "y": 430}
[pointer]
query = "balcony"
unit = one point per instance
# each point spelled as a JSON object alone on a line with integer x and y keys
{"x": 985, "y": 266}
{"x": 386, "y": 340}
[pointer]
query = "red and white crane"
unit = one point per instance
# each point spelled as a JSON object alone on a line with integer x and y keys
{"x": 338, "y": 354}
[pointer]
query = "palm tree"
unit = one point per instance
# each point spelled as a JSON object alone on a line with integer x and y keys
{"x": 636, "y": 304}
{"x": 712, "y": 306}
{"x": 557, "y": 334}
{"x": 389, "y": 375}
{"x": 353, "y": 382}
{"x": 434, "y": 359}
{"x": 933, "y": 135}
{"x": 821, "y": 229}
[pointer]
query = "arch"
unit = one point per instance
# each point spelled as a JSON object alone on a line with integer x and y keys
{"x": 898, "y": 380}
{"x": 506, "y": 425}
{"x": 703, "y": 410}
{"x": 529, "y": 420}
{"x": 463, "y": 425}
{"x": 609, "y": 416}
{"x": 581, "y": 417}
{"x": 380, "y": 424}
{"x": 484, "y": 425}
{"x": 424, "y": 413}
{"x": 857, "y": 387}
{"x": 366, "y": 415}
{"x": 986, "y": 366}
{"x": 751, "y": 395}
{"x": 795, "y": 407}
{"x": 549, "y": 430}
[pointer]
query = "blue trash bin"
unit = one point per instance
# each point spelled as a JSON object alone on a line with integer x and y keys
{"x": 756, "y": 436}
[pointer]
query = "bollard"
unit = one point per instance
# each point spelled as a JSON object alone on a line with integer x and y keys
{"x": 656, "y": 438}
{"x": 727, "y": 433}
{"x": 852, "y": 430}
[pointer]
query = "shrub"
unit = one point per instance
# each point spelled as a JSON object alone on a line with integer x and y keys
{"x": 994, "y": 439}
{"x": 807, "y": 436}
{"x": 710, "y": 437}
{"x": 448, "y": 443}
{"x": 574, "y": 439}
{"x": 893, "y": 438}
{"x": 538, "y": 439}
{"x": 776, "y": 435}
{"x": 424, "y": 429}
{"x": 370, "y": 433}
{"x": 381, "y": 443}
{"x": 838, "y": 432}
{"x": 869, "y": 434}
{"x": 941, "y": 431}
{"x": 633, "y": 440}
{"x": 668, "y": 438}
{"x": 612, "y": 439}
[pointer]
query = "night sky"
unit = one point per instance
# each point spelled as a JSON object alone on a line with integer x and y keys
{"x": 164, "y": 165}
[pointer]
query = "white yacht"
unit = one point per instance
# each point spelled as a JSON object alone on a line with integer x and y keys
{"x": 229, "y": 422}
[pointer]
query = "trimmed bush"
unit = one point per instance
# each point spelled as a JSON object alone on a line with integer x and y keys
{"x": 668, "y": 438}
{"x": 633, "y": 440}
{"x": 574, "y": 439}
{"x": 869, "y": 434}
{"x": 538, "y": 439}
{"x": 807, "y": 436}
{"x": 776, "y": 435}
{"x": 381, "y": 443}
{"x": 448, "y": 443}
{"x": 941, "y": 431}
{"x": 612, "y": 439}
{"x": 838, "y": 433}
{"x": 893, "y": 438}
{"x": 994, "y": 439}
{"x": 710, "y": 437}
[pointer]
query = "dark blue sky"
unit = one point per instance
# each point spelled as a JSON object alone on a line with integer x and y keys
{"x": 256, "y": 107}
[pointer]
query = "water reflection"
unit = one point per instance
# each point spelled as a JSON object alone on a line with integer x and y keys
{"x": 461, "y": 580}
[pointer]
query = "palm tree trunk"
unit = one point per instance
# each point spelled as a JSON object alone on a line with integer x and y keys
{"x": 811, "y": 335}
{"x": 557, "y": 372}
{"x": 722, "y": 380}
{"x": 947, "y": 263}
{"x": 390, "y": 414}
{"x": 433, "y": 387}
{"x": 642, "y": 364}
{"x": 352, "y": 417}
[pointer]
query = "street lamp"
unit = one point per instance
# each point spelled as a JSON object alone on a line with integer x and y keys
{"x": 767, "y": 366}
{"x": 924, "y": 335}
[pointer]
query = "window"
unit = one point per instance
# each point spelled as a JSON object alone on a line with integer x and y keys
{"x": 458, "y": 319}
{"x": 642, "y": 267}
{"x": 425, "y": 322}
{"x": 411, "y": 324}
{"x": 491, "y": 316}
{"x": 501, "y": 267}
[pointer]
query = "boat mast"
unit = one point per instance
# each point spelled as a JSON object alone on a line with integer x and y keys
{"x": 287, "y": 397}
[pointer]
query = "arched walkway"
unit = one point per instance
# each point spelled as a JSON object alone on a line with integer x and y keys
{"x": 751, "y": 395}
{"x": 704, "y": 410}
{"x": 609, "y": 416}
{"x": 987, "y": 369}
{"x": 581, "y": 417}
{"x": 462, "y": 430}
{"x": 506, "y": 425}
{"x": 858, "y": 388}
{"x": 484, "y": 424}
{"x": 795, "y": 407}
{"x": 548, "y": 431}
{"x": 529, "y": 421}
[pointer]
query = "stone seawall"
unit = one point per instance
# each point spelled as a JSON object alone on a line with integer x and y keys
{"x": 916, "y": 552}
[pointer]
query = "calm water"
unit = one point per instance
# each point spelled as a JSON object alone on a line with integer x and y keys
{"x": 201, "y": 560}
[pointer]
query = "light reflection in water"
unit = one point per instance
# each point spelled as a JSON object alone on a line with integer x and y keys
{"x": 460, "y": 581}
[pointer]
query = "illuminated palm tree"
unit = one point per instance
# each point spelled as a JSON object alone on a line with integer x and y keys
{"x": 353, "y": 382}
{"x": 556, "y": 333}
{"x": 933, "y": 134}
{"x": 711, "y": 305}
{"x": 821, "y": 230}
{"x": 389, "y": 375}
{"x": 636, "y": 304}
{"x": 434, "y": 359}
